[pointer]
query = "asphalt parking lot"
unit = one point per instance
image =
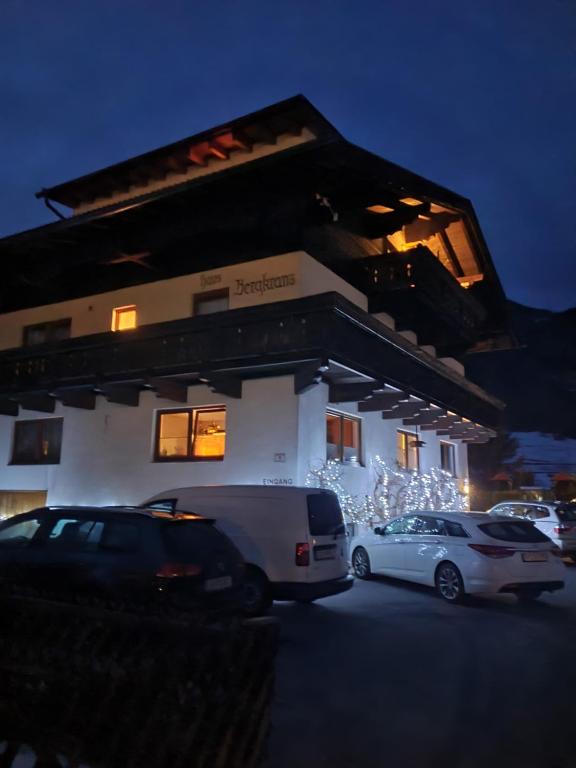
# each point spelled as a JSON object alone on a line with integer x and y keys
{"x": 389, "y": 675}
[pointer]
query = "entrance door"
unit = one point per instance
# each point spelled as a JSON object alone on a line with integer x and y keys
{"x": 14, "y": 502}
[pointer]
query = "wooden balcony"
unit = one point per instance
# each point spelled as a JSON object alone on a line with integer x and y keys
{"x": 298, "y": 336}
{"x": 424, "y": 297}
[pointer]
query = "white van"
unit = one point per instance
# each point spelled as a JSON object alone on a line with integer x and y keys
{"x": 292, "y": 539}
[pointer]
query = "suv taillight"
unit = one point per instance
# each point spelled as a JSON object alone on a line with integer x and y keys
{"x": 302, "y": 553}
{"x": 562, "y": 528}
{"x": 177, "y": 570}
{"x": 491, "y": 550}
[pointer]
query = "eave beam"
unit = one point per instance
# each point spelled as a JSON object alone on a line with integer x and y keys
{"x": 383, "y": 402}
{"x": 37, "y": 401}
{"x": 122, "y": 394}
{"x": 347, "y": 393}
{"x": 77, "y": 398}
{"x": 8, "y": 407}
{"x": 170, "y": 389}
{"x": 308, "y": 375}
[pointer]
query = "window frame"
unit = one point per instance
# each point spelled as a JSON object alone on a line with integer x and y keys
{"x": 405, "y": 465}
{"x": 198, "y": 298}
{"x": 117, "y": 312}
{"x": 452, "y": 453}
{"x": 46, "y": 327}
{"x": 350, "y": 417}
{"x": 157, "y": 457}
{"x": 39, "y": 439}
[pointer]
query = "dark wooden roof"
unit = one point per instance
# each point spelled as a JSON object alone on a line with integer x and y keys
{"x": 237, "y": 212}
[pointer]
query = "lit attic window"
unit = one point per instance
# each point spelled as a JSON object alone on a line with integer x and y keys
{"x": 124, "y": 318}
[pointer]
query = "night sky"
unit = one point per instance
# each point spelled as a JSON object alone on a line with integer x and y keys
{"x": 477, "y": 96}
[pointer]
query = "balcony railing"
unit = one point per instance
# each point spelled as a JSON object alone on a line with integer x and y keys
{"x": 245, "y": 343}
{"x": 423, "y": 296}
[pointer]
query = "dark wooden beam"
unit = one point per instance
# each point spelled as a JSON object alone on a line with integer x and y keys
{"x": 77, "y": 398}
{"x": 170, "y": 389}
{"x": 37, "y": 401}
{"x": 308, "y": 375}
{"x": 426, "y": 417}
{"x": 403, "y": 410}
{"x": 383, "y": 402}
{"x": 347, "y": 393}
{"x": 8, "y": 407}
{"x": 443, "y": 422}
{"x": 231, "y": 386}
{"x": 122, "y": 394}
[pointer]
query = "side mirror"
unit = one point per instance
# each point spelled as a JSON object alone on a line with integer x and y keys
{"x": 379, "y": 531}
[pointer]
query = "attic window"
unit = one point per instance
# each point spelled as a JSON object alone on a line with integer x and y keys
{"x": 379, "y": 209}
{"x": 124, "y": 318}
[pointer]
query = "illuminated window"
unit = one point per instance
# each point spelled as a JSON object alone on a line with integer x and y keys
{"x": 448, "y": 457}
{"x": 124, "y": 318}
{"x": 407, "y": 452}
{"x": 194, "y": 434}
{"x": 343, "y": 438}
{"x": 37, "y": 441}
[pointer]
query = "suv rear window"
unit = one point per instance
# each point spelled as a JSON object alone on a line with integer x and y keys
{"x": 324, "y": 514}
{"x": 515, "y": 530}
{"x": 566, "y": 512}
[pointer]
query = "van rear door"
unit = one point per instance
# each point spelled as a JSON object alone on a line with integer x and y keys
{"x": 329, "y": 543}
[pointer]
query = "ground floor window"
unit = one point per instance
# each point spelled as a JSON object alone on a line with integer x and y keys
{"x": 191, "y": 434}
{"x": 407, "y": 451}
{"x": 37, "y": 441}
{"x": 448, "y": 457}
{"x": 343, "y": 438}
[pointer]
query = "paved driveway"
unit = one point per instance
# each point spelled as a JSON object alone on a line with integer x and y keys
{"x": 389, "y": 675}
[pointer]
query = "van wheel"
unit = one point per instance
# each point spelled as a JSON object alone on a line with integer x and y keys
{"x": 256, "y": 600}
{"x": 361, "y": 563}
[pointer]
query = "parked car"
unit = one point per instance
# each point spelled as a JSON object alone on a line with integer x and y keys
{"x": 556, "y": 519}
{"x": 122, "y": 553}
{"x": 293, "y": 539}
{"x": 461, "y": 553}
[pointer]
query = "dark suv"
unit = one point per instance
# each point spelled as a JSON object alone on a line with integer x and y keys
{"x": 125, "y": 553}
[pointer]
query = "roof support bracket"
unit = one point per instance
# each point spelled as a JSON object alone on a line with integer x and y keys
{"x": 38, "y": 401}
{"x": 308, "y": 375}
{"x": 170, "y": 389}
{"x": 122, "y": 394}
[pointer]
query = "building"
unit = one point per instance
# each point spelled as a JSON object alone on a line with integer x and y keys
{"x": 237, "y": 308}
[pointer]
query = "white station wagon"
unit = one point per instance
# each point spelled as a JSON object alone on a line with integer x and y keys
{"x": 556, "y": 519}
{"x": 461, "y": 553}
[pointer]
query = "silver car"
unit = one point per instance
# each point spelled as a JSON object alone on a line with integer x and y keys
{"x": 556, "y": 519}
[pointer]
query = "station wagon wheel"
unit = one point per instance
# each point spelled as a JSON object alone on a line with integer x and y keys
{"x": 256, "y": 600}
{"x": 361, "y": 563}
{"x": 449, "y": 584}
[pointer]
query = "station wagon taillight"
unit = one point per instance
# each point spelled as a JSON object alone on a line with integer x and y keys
{"x": 492, "y": 550}
{"x": 177, "y": 570}
{"x": 562, "y": 528}
{"x": 302, "y": 553}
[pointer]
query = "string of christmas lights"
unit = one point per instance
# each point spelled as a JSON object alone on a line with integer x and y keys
{"x": 397, "y": 491}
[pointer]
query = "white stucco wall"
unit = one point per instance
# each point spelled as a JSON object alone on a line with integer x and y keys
{"x": 277, "y": 278}
{"x": 273, "y": 436}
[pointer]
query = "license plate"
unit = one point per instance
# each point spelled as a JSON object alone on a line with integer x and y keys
{"x": 325, "y": 553}
{"x": 534, "y": 557}
{"x": 222, "y": 582}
